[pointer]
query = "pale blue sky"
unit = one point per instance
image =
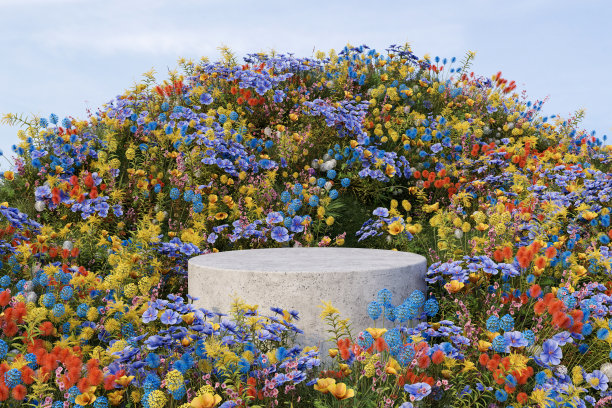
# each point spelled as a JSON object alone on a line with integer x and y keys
{"x": 65, "y": 56}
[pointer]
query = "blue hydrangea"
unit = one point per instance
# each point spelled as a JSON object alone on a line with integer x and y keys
{"x": 493, "y": 324}
{"x": 390, "y": 312}
{"x": 3, "y": 349}
{"x": 188, "y": 195}
{"x": 321, "y": 182}
{"x": 174, "y": 193}
{"x": 374, "y": 310}
{"x": 198, "y": 207}
{"x": 384, "y": 296}
{"x": 285, "y": 196}
{"x": 58, "y": 310}
{"x": 331, "y": 174}
{"x": 345, "y": 182}
{"x": 101, "y": 402}
{"x": 529, "y": 336}
{"x": 417, "y": 298}
{"x": 402, "y": 312}
{"x": 569, "y": 301}
{"x": 5, "y": 281}
{"x": 499, "y": 344}
{"x": 365, "y": 340}
{"x": 12, "y": 377}
{"x": 333, "y": 194}
{"x": 66, "y": 293}
{"x": 507, "y": 322}
{"x": 431, "y": 307}
{"x": 48, "y": 300}
{"x": 297, "y": 189}
{"x": 313, "y": 201}
{"x": 406, "y": 355}
{"x": 393, "y": 338}
{"x": 233, "y": 115}
{"x": 82, "y": 310}
{"x": 31, "y": 359}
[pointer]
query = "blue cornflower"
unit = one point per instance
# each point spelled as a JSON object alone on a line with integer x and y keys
{"x": 501, "y": 395}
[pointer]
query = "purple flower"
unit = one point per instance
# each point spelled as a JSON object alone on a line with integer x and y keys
{"x": 169, "y": 317}
{"x": 417, "y": 391}
{"x": 211, "y": 238}
{"x": 436, "y": 148}
{"x": 381, "y": 212}
{"x": 551, "y": 353}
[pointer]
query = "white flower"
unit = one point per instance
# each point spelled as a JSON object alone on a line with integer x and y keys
{"x": 606, "y": 368}
{"x": 458, "y": 233}
{"x": 267, "y": 131}
{"x": 314, "y": 164}
{"x": 328, "y": 185}
{"x": 67, "y": 245}
{"x": 39, "y": 206}
{"x": 326, "y": 157}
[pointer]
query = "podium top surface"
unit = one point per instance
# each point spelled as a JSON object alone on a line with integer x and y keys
{"x": 308, "y": 260}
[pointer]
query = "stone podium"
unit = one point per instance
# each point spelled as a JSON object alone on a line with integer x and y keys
{"x": 299, "y": 278}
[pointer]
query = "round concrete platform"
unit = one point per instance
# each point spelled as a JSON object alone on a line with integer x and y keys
{"x": 299, "y": 278}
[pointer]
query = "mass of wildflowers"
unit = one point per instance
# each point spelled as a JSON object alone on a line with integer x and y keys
{"x": 99, "y": 216}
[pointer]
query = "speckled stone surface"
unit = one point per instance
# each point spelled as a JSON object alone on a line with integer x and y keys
{"x": 299, "y": 278}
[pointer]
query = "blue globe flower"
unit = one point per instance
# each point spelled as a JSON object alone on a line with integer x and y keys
{"x": 3, "y": 349}
{"x": 406, "y": 355}
{"x": 12, "y": 377}
{"x": 313, "y": 201}
{"x": 365, "y": 340}
{"x": 101, "y": 402}
{"x": 493, "y": 324}
{"x": 384, "y": 296}
{"x": 285, "y": 196}
{"x": 198, "y": 207}
{"x": 321, "y": 182}
{"x": 5, "y": 281}
{"x": 297, "y": 189}
{"x": 66, "y": 293}
{"x": 529, "y": 336}
{"x": 507, "y": 322}
{"x": 174, "y": 193}
{"x": 345, "y": 182}
{"x": 431, "y": 307}
{"x": 331, "y": 174}
{"x": 165, "y": 106}
{"x": 417, "y": 298}
{"x": 499, "y": 344}
{"x": 233, "y": 115}
{"x": 374, "y": 310}
{"x": 48, "y": 300}
{"x": 390, "y": 313}
{"x": 333, "y": 194}
{"x": 58, "y": 310}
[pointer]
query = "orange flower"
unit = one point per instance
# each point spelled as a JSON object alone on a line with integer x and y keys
{"x": 437, "y": 357}
{"x": 115, "y": 397}
{"x": 550, "y": 252}
{"x": 535, "y": 291}
{"x": 19, "y": 392}
{"x": 423, "y": 362}
{"x": 85, "y": 399}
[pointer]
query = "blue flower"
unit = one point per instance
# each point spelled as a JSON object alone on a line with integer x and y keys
{"x": 551, "y": 353}
{"x": 374, "y": 310}
{"x": 431, "y": 307}
{"x": 274, "y": 218}
{"x": 206, "y": 99}
{"x": 345, "y": 182}
{"x": 493, "y": 324}
{"x": 331, "y": 174}
{"x": 169, "y": 317}
{"x": 280, "y": 234}
{"x": 507, "y": 322}
{"x": 418, "y": 390}
{"x": 313, "y": 201}
{"x": 333, "y": 194}
{"x": 381, "y": 212}
{"x": 598, "y": 380}
{"x": 384, "y": 296}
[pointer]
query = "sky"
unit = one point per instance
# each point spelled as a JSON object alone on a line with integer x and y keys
{"x": 70, "y": 56}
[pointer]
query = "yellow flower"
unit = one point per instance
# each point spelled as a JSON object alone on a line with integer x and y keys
{"x": 206, "y": 400}
{"x": 85, "y": 399}
{"x": 340, "y": 391}
{"x": 395, "y": 228}
{"x": 454, "y": 286}
{"x": 323, "y": 384}
{"x": 328, "y": 309}
{"x": 376, "y": 332}
{"x": 483, "y": 345}
{"x": 392, "y": 367}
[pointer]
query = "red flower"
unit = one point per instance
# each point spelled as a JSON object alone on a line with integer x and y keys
{"x": 19, "y": 392}
{"x": 5, "y": 297}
